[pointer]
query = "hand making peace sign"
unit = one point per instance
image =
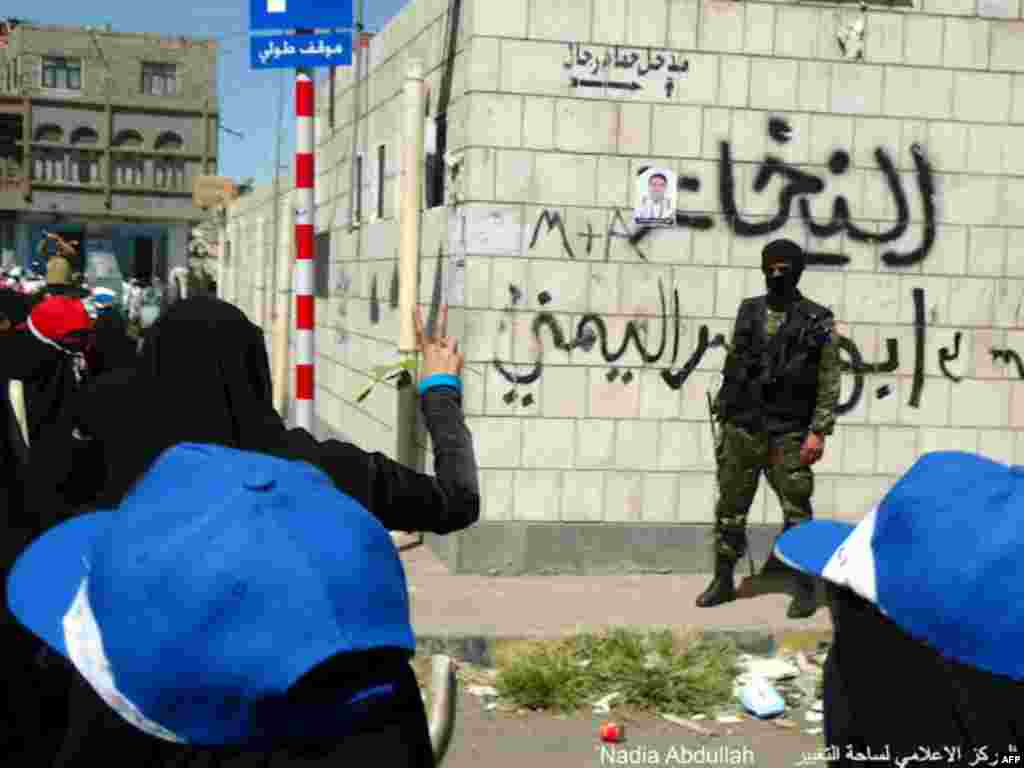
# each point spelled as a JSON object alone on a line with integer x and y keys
{"x": 440, "y": 352}
{"x": 64, "y": 247}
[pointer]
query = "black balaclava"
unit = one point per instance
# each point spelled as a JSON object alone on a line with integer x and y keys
{"x": 782, "y": 288}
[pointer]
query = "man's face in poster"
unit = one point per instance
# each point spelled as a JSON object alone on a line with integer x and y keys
{"x": 656, "y": 187}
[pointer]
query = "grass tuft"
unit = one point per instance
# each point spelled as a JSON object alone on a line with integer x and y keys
{"x": 653, "y": 671}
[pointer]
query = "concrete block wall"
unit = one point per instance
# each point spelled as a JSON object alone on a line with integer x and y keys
{"x": 589, "y": 459}
{"x": 570, "y": 445}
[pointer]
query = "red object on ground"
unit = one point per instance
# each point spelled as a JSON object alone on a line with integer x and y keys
{"x": 612, "y": 732}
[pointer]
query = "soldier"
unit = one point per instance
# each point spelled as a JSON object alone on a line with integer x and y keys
{"x": 777, "y": 404}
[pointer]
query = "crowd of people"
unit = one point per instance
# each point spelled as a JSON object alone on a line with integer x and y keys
{"x": 191, "y": 582}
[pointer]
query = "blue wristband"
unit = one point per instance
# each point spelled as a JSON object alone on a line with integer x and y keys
{"x": 441, "y": 380}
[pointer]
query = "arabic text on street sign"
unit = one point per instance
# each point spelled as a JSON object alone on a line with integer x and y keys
{"x": 292, "y": 52}
{"x": 275, "y": 15}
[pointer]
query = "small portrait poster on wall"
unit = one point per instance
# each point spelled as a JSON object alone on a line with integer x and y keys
{"x": 655, "y": 198}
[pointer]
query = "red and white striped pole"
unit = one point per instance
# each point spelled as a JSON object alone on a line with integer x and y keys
{"x": 305, "y": 303}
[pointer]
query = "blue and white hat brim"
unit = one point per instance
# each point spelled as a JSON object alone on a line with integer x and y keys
{"x": 841, "y": 553}
{"x": 47, "y": 576}
{"x": 48, "y": 592}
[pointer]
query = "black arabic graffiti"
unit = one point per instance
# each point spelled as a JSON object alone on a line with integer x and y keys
{"x": 798, "y": 185}
{"x": 945, "y": 356}
{"x": 1008, "y": 356}
{"x": 592, "y": 66}
{"x": 592, "y": 329}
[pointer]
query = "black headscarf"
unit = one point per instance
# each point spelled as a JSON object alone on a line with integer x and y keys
{"x": 113, "y": 349}
{"x": 884, "y": 689}
{"x": 203, "y": 376}
{"x": 15, "y": 306}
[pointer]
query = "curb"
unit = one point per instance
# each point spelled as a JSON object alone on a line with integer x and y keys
{"x": 483, "y": 651}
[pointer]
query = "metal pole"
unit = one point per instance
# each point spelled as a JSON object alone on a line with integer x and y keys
{"x": 276, "y": 247}
{"x": 305, "y": 320}
{"x": 282, "y": 280}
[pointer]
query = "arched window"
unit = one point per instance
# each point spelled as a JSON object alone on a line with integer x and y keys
{"x": 169, "y": 141}
{"x": 128, "y": 170}
{"x": 84, "y": 166}
{"x": 50, "y": 132}
{"x": 84, "y": 135}
{"x": 128, "y": 138}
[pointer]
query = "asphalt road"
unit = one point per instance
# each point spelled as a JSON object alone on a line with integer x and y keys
{"x": 542, "y": 740}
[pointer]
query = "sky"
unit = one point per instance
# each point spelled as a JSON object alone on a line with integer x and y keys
{"x": 248, "y": 98}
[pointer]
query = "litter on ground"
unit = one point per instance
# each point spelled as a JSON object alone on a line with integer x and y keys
{"x": 771, "y": 669}
{"x": 603, "y": 706}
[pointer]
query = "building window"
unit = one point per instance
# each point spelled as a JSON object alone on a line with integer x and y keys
{"x": 433, "y": 193}
{"x": 381, "y": 167}
{"x": 330, "y": 98}
{"x": 84, "y": 136}
{"x": 62, "y": 74}
{"x": 50, "y": 133}
{"x": 168, "y": 141}
{"x": 84, "y": 168}
{"x": 129, "y": 172}
{"x": 49, "y": 166}
{"x": 160, "y": 79}
{"x": 321, "y": 264}
{"x": 57, "y": 162}
{"x": 169, "y": 173}
{"x": 128, "y": 138}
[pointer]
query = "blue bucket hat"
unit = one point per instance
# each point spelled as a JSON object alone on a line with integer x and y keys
{"x": 222, "y": 579}
{"x": 940, "y": 556}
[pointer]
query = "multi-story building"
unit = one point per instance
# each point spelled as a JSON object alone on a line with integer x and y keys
{"x": 101, "y": 136}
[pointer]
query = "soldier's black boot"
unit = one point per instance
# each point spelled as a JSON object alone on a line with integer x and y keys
{"x": 805, "y": 597}
{"x": 722, "y": 588}
{"x": 773, "y": 566}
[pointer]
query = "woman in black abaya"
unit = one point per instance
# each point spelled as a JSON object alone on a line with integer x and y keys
{"x": 888, "y": 694}
{"x": 204, "y": 377}
{"x": 33, "y": 705}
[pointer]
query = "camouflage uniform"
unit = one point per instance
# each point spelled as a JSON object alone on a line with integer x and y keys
{"x": 742, "y": 457}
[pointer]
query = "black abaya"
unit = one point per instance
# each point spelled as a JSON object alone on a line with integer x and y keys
{"x": 884, "y": 689}
{"x": 33, "y": 703}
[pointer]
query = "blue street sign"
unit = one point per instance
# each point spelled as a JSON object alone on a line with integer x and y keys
{"x": 300, "y": 14}
{"x": 300, "y": 51}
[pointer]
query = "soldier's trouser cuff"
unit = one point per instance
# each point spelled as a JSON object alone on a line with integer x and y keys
{"x": 730, "y": 542}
